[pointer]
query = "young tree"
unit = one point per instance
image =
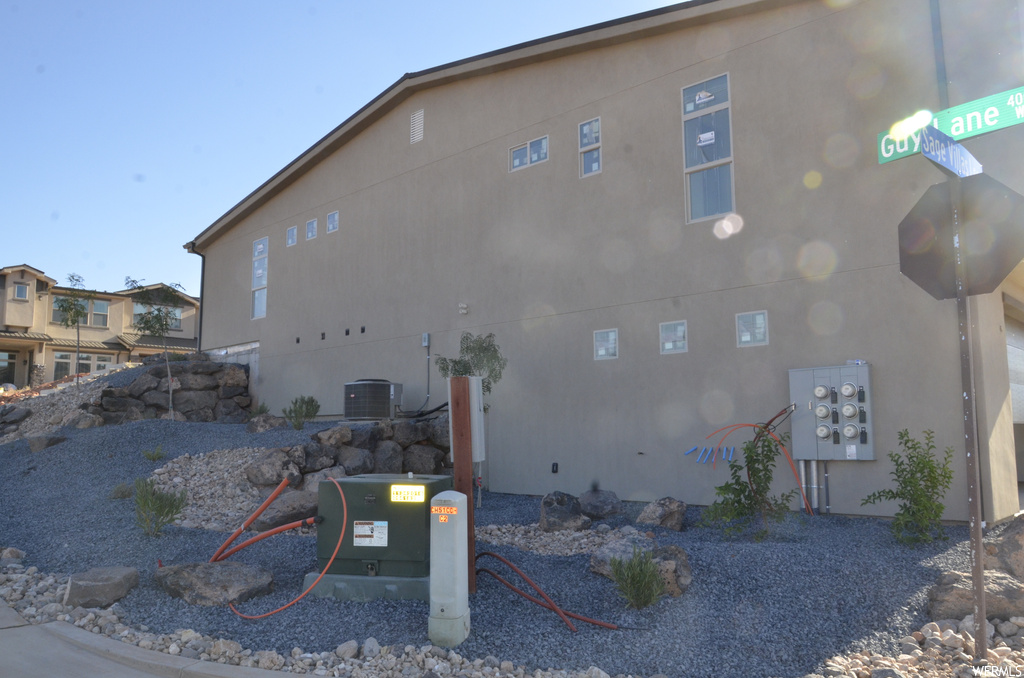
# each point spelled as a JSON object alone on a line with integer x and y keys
{"x": 159, "y": 302}
{"x": 73, "y": 306}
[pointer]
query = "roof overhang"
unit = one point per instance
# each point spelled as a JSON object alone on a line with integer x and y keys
{"x": 653, "y": 22}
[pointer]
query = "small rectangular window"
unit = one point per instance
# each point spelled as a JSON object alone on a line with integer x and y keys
{"x": 259, "y": 303}
{"x": 20, "y": 291}
{"x": 590, "y": 147}
{"x": 332, "y": 222}
{"x": 100, "y": 312}
{"x": 310, "y": 229}
{"x": 672, "y": 337}
{"x": 291, "y": 236}
{"x": 103, "y": 362}
{"x": 259, "y": 247}
{"x": 259, "y": 273}
{"x": 752, "y": 328}
{"x": 606, "y": 344}
{"x": 530, "y": 153}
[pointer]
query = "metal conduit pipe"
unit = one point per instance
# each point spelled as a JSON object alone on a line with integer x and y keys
{"x": 803, "y": 476}
{"x": 814, "y": 486}
{"x": 828, "y": 508}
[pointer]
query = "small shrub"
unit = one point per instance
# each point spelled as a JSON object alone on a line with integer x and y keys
{"x": 121, "y": 491}
{"x": 154, "y": 454}
{"x": 154, "y": 508}
{"x": 257, "y": 410}
{"x": 178, "y": 357}
{"x": 478, "y": 356}
{"x": 746, "y": 496}
{"x": 921, "y": 482}
{"x": 302, "y": 409}
{"x": 638, "y": 579}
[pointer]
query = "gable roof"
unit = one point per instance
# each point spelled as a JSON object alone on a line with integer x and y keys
{"x": 633, "y": 27}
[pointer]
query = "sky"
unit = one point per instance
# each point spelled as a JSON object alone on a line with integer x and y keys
{"x": 128, "y": 127}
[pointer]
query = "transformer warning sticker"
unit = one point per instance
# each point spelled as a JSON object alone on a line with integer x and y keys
{"x": 370, "y": 533}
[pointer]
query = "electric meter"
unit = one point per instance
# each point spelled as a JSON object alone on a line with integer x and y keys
{"x": 821, "y": 392}
{"x": 850, "y": 410}
{"x": 851, "y": 431}
{"x": 824, "y": 431}
{"x": 823, "y": 411}
{"x": 848, "y": 389}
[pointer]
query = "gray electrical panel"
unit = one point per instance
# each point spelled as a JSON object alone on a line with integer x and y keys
{"x": 832, "y": 419}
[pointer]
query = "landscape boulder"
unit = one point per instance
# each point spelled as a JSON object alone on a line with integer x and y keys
{"x": 218, "y": 583}
{"x": 287, "y": 508}
{"x": 407, "y": 432}
{"x": 335, "y": 437}
{"x": 316, "y": 457}
{"x": 598, "y": 504}
{"x": 666, "y": 512}
{"x": 561, "y": 511}
{"x": 439, "y": 433}
{"x": 16, "y": 415}
{"x": 672, "y": 561}
{"x": 41, "y": 442}
{"x": 264, "y": 422}
{"x": 952, "y": 596}
{"x": 273, "y": 466}
{"x": 421, "y": 460}
{"x": 100, "y": 586}
{"x": 388, "y": 457}
{"x": 1006, "y": 552}
{"x": 356, "y": 460}
{"x": 311, "y": 481}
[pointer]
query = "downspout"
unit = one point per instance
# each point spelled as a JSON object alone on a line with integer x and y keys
{"x": 190, "y": 247}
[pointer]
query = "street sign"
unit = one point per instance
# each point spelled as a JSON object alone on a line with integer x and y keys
{"x": 943, "y": 151}
{"x": 960, "y": 122}
{"x": 993, "y": 223}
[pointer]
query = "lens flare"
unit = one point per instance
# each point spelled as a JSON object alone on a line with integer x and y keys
{"x": 904, "y": 128}
{"x": 812, "y": 179}
{"x": 729, "y": 225}
{"x": 825, "y": 318}
{"x": 816, "y": 259}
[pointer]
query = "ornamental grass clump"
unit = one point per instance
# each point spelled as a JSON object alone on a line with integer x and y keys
{"x": 302, "y": 409}
{"x": 155, "y": 454}
{"x": 154, "y": 508}
{"x": 921, "y": 482}
{"x": 638, "y": 579}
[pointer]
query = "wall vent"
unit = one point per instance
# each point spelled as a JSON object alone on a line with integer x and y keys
{"x": 372, "y": 399}
{"x": 416, "y": 127}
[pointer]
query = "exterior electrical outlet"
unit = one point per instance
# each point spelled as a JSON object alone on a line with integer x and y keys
{"x": 388, "y": 529}
{"x": 832, "y": 420}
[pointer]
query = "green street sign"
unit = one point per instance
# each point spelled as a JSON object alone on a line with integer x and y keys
{"x": 960, "y": 122}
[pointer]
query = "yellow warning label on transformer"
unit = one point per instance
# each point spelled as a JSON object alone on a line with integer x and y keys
{"x": 408, "y": 493}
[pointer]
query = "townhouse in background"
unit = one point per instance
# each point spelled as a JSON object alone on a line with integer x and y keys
{"x": 35, "y": 348}
{"x": 671, "y": 223}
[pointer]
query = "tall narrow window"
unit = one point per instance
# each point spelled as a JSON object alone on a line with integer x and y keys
{"x": 416, "y": 127}
{"x": 310, "y": 229}
{"x": 100, "y": 312}
{"x": 259, "y": 277}
{"x": 590, "y": 147}
{"x": 606, "y": 344}
{"x": 332, "y": 222}
{"x": 291, "y": 236}
{"x": 707, "y": 149}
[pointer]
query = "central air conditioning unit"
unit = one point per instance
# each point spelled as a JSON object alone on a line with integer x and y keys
{"x": 372, "y": 399}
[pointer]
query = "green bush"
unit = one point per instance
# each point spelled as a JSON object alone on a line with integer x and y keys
{"x": 921, "y": 482}
{"x": 638, "y": 579}
{"x": 478, "y": 356}
{"x": 257, "y": 410}
{"x": 746, "y": 496}
{"x": 121, "y": 491}
{"x": 302, "y": 409}
{"x": 154, "y": 454}
{"x": 154, "y": 508}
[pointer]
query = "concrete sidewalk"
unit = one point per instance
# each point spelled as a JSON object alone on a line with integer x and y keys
{"x": 58, "y": 650}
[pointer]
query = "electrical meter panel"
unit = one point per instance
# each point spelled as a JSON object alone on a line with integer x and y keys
{"x": 832, "y": 420}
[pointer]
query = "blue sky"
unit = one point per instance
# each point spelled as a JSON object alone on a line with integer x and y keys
{"x": 128, "y": 127}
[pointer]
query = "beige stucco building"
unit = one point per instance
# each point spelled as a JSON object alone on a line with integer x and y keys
{"x": 658, "y": 218}
{"x": 35, "y": 348}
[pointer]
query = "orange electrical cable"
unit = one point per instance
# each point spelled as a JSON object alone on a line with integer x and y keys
{"x": 543, "y": 604}
{"x": 337, "y": 547}
{"x": 249, "y": 520}
{"x": 263, "y": 535}
{"x": 550, "y": 603}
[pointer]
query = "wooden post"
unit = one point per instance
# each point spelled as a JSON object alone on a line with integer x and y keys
{"x": 462, "y": 457}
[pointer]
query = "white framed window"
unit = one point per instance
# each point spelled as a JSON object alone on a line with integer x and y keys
{"x": 606, "y": 344}
{"x": 707, "y": 149}
{"x": 259, "y": 277}
{"x": 752, "y": 329}
{"x": 103, "y": 362}
{"x": 291, "y": 236}
{"x": 100, "y": 313}
{"x": 20, "y": 291}
{"x": 672, "y": 337}
{"x": 590, "y": 147}
{"x": 527, "y": 154}
{"x": 332, "y": 222}
{"x": 310, "y": 229}
{"x": 61, "y": 365}
{"x": 174, "y": 319}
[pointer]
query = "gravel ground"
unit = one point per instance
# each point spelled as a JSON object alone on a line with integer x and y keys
{"x": 817, "y": 587}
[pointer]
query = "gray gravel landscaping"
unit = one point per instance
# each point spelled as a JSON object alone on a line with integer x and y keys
{"x": 817, "y": 587}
